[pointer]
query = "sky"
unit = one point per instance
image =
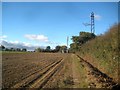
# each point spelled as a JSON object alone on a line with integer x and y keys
{"x": 60, "y": 0}
{"x": 40, "y": 24}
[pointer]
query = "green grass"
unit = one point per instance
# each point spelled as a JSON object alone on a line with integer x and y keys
{"x": 81, "y": 71}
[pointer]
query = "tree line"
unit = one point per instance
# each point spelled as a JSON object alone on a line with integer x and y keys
{"x": 3, "y": 48}
{"x": 48, "y": 49}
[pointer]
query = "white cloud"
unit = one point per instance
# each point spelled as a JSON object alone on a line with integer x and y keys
{"x": 14, "y": 42}
{"x": 3, "y": 37}
{"x": 29, "y": 46}
{"x": 17, "y": 44}
{"x": 97, "y": 17}
{"x": 40, "y": 38}
{"x": 50, "y": 42}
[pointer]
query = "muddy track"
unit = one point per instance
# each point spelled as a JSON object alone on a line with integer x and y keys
{"x": 96, "y": 78}
{"x": 39, "y": 78}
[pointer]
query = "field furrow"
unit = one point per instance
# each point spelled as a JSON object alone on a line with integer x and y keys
{"x": 40, "y": 82}
{"x": 32, "y": 78}
{"x": 21, "y": 69}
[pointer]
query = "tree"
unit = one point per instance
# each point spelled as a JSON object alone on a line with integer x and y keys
{"x": 57, "y": 48}
{"x": 86, "y": 36}
{"x": 78, "y": 41}
{"x": 38, "y": 49}
{"x": 24, "y": 49}
{"x": 18, "y": 49}
{"x": 12, "y": 49}
{"x": 48, "y": 48}
{"x": 6, "y": 49}
{"x": 2, "y": 47}
{"x": 75, "y": 39}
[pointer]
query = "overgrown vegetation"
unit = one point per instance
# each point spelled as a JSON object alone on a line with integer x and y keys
{"x": 102, "y": 51}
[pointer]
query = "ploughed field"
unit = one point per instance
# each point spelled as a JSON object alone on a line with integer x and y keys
{"x": 51, "y": 70}
{"x": 24, "y": 68}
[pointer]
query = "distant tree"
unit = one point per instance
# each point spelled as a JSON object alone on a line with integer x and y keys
{"x": 57, "y": 48}
{"x": 2, "y": 47}
{"x": 6, "y": 49}
{"x": 12, "y": 49}
{"x": 18, "y": 49}
{"x": 24, "y": 49}
{"x": 48, "y": 48}
{"x": 38, "y": 49}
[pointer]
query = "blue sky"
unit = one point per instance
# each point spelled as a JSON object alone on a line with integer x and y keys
{"x": 43, "y": 24}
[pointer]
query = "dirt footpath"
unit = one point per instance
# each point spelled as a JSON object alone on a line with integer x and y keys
{"x": 79, "y": 73}
{"x": 96, "y": 78}
{"x": 85, "y": 75}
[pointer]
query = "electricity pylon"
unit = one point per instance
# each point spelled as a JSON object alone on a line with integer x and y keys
{"x": 67, "y": 43}
{"x": 92, "y": 24}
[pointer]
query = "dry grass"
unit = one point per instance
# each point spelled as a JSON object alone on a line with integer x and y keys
{"x": 102, "y": 52}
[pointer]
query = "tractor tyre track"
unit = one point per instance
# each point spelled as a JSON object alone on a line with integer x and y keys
{"x": 40, "y": 82}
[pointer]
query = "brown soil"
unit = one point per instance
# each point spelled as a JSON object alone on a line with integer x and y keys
{"x": 19, "y": 66}
{"x": 51, "y": 70}
{"x": 96, "y": 78}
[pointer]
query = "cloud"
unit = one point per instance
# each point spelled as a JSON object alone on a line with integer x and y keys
{"x": 97, "y": 17}
{"x": 50, "y": 42}
{"x": 28, "y": 46}
{"x": 17, "y": 44}
{"x": 40, "y": 38}
{"x": 3, "y": 37}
